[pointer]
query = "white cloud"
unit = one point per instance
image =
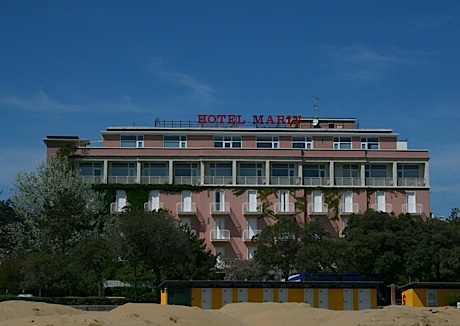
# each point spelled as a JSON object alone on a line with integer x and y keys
{"x": 360, "y": 62}
{"x": 42, "y": 102}
{"x": 199, "y": 91}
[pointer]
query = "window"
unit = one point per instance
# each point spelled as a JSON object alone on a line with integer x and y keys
{"x": 155, "y": 169}
{"x": 220, "y": 169}
{"x": 123, "y": 170}
{"x": 227, "y": 141}
{"x": 350, "y": 171}
{"x": 283, "y": 170}
{"x": 302, "y": 142}
{"x": 186, "y": 169}
{"x": 342, "y": 143}
{"x": 175, "y": 141}
{"x": 91, "y": 169}
{"x": 314, "y": 171}
{"x": 132, "y": 141}
{"x": 369, "y": 143}
{"x": 251, "y": 170}
{"x": 267, "y": 142}
{"x": 376, "y": 171}
{"x": 408, "y": 171}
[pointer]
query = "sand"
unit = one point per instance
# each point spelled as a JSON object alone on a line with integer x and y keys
{"x": 20, "y": 313}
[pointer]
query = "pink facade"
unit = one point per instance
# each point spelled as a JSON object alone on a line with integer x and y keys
{"x": 370, "y": 167}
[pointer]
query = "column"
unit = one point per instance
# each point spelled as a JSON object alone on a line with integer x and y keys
{"x": 171, "y": 171}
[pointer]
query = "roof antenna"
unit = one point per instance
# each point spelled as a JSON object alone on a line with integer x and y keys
{"x": 315, "y": 106}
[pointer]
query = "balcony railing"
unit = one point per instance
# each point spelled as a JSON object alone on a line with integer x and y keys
{"x": 149, "y": 207}
{"x": 220, "y": 235}
{"x": 152, "y": 180}
{"x": 252, "y": 208}
{"x": 92, "y": 179}
{"x": 215, "y": 180}
{"x": 386, "y": 208}
{"x": 379, "y": 182}
{"x": 312, "y": 181}
{"x": 285, "y": 181}
{"x": 317, "y": 209}
{"x": 121, "y": 180}
{"x": 250, "y": 180}
{"x": 412, "y": 182}
{"x": 187, "y": 180}
{"x": 348, "y": 208}
{"x": 416, "y": 209}
{"x": 115, "y": 208}
{"x": 220, "y": 208}
{"x": 249, "y": 234}
{"x": 185, "y": 208}
{"x": 347, "y": 181}
{"x": 284, "y": 208}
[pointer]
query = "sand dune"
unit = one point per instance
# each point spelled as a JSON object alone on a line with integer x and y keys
{"x": 19, "y": 313}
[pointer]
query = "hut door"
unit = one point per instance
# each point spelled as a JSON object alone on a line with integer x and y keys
{"x": 206, "y": 298}
{"x": 364, "y": 299}
{"x": 347, "y": 299}
{"x": 323, "y": 298}
{"x": 431, "y": 298}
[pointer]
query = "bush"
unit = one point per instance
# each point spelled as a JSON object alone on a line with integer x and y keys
{"x": 453, "y": 298}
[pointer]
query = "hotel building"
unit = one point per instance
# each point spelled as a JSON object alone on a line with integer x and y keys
{"x": 235, "y": 175}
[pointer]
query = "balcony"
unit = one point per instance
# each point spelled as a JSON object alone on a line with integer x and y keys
{"x": 250, "y": 180}
{"x": 379, "y": 182}
{"x": 92, "y": 179}
{"x": 284, "y": 209}
{"x": 252, "y": 209}
{"x": 219, "y": 181}
{"x": 346, "y": 209}
{"x": 186, "y": 208}
{"x": 154, "y": 180}
{"x": 413, "y": 209}
{"x": 412, "y": 182}
{"x": 115, "y": 208}
{"x": 317, "y": 209}
{"x": 348, "y": 181}
{"x": 285, "y": 181}
{"x": 150, "y": 207}
{"x": 220, "y": 208}
{"x": 248, "y": 235}
{"x": 385, "y": 208}
{"x": 187, "y": 180}
{"x": 220, "y": 235}
{"x": 121, "y": 180}
{"x": 316, "y": 181}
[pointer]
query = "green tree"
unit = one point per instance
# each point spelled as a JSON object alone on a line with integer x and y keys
{"x": 155, "y": 239}
{"x": 57, "y": 208}
{"x": 7, "y": 217}
{"x": 278, "y": 246}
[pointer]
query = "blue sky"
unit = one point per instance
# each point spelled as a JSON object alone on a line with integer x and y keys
{"x": 75, "y": 67}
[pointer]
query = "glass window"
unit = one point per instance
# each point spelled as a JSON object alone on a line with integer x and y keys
{"x": 185, "y": 169}
{"x": 227, "y": 141}
{"x": 267, "y": 142}
{"x": 155, "y": 169}
{"x": 220, "y": 169}
{"x": 91, "y": 169}
{"x": 123, "y": 170}
{"x": 132, "y": 141}
{"x": 283, "y": 170}
{"x": 314, "y": 171}
{"x": 350, "y": 171}
{"x": 369, "y": 143}
{"x": 175, "y": 141}
{"x": 251, "y": 170}
{"x": 376, "y": 171}
{"x": 302, "y": 142}
{"x": 342, "y": 143}
{"x": 408, "y": 171}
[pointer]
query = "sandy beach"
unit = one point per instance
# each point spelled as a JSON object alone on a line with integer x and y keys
{"x": 19, "y": 313}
